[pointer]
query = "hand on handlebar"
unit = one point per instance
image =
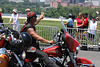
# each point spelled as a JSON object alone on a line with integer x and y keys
{"x": 52, "y": 42}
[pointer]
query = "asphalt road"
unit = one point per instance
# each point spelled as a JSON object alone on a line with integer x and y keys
{"x": 92, "y": 55}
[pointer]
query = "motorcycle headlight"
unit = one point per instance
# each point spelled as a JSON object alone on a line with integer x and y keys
{"x": 23, "y": 56}
{"x": 77, "y": 49}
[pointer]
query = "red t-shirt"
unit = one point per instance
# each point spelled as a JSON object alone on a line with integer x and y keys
{"x": 85, "y": 21}
{"x": 79, "y": 22}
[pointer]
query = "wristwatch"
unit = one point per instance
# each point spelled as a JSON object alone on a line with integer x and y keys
{"x": 48, "y": 41}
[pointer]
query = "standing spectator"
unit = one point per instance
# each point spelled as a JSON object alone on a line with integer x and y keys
{"x": 79, "y": 25}
{"x": 1, "y": 21}
{"x": 69, "y": 23}
{"x": 15, "y": 18}
{"x": 27, "y": 11}
{"x": 79, "y": 21}
{"x": 91, "y": 30}
{"x": 86, "y": 20}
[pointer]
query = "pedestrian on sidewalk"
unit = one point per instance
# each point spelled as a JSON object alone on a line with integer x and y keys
{"x": 15, "y": 17}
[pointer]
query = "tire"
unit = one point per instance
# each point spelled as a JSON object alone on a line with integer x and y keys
{"x": 28, "y": 64}
{"x": 13, "y": 62}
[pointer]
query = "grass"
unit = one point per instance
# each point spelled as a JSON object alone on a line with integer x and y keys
{"x": 47, "y": 23}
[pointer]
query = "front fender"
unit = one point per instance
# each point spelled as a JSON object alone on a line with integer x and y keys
{"x": 81, "y": 62}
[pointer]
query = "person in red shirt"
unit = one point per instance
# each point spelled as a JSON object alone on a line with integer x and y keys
{"x": 79, "y": 21}
{"x": 86, "y": 20}
{"x": 79, "y": 25}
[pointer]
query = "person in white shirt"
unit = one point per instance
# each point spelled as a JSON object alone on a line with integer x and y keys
{"x": 91, "y": 30}
{"x": 15, "y": 18}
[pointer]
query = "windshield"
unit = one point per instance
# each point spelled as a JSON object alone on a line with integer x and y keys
{"x": 63, "y": 26}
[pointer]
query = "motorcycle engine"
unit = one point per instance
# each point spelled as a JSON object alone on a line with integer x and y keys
{"x": 55, "y": 60}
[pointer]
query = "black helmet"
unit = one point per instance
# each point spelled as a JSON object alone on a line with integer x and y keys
{"x": 27, "y": 39}
{"x": 69, "y": 15}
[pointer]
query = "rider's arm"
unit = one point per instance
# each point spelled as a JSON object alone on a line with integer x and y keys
{"x": 38, "y": 20}
{"x": 36, "y": 36}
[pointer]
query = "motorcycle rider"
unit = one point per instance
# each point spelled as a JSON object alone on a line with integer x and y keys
{"x": 30, "y": 28}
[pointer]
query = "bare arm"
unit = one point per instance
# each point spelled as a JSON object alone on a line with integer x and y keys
{"x": 96, "y": 27}
{"x": 36, "y": 36}
{"x": 66, "y": 23}
{"x": 37, "y": 21}
{"x": 10, "y": 18}
{"x": 41, "y": 17}
{"x": 81, "y": 24}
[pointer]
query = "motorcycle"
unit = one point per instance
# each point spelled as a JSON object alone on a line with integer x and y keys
{"x": 64, "y": 52}
{"x": 12, "y": 47}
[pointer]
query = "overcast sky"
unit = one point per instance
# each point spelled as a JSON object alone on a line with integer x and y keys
{"x": 42, "y": 0}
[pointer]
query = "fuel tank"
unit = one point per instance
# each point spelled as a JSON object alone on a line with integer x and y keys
{"x": 53, "y": 50}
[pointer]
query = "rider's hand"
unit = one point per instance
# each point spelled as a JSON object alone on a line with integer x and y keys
{"x": 52, "y": 42}
{"x": 97, "y": 12}
{"x": 42, "y": 15}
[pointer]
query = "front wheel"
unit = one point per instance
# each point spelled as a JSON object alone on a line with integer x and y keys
{"x": 27, "y": 64}
{"x": 32, "y": 64}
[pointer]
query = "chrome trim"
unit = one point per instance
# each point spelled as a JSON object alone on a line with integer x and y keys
{"x": 4, "y": 51}
{"x": 87, "y": 65}
{"x": 19, "y": 61}
{"x": 72, "y": 58}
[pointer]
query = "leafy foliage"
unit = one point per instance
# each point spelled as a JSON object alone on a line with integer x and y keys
{"x": 64, "y": 11}
{"x": 7, "y": 7}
